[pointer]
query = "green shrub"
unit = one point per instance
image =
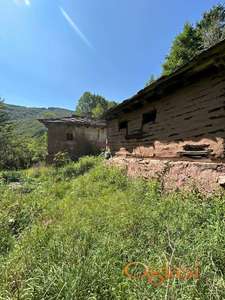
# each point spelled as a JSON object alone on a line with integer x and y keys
{"x": 75, "y": 169}
{"x": 11, "y": 176}
{"x": 60, "y": 159}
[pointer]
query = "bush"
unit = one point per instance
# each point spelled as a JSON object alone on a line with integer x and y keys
{"x": 11, "y": 176}
{"x": 21, "y": 153}
{"x": 61, "y": 159}
{"x": 81, "y": 167}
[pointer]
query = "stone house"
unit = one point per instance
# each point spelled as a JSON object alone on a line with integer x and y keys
{"x": 176, "y": 126}
{"x": 75, "y": 135}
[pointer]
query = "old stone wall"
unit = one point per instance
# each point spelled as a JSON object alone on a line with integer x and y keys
{"x": 76, "y": 140}
{"x": 176, "y": 175}
{"x": 189, "y": 125}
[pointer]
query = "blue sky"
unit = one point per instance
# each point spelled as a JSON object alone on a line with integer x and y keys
{"x": 51, "y": 51}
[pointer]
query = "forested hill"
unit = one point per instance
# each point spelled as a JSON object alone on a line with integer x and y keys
{"x": 26, "y": 118}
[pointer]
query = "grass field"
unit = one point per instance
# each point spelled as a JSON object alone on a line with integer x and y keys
{"x": 69, "y": 233}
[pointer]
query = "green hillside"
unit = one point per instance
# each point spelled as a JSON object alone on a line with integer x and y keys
{"x": 26, "y": 118}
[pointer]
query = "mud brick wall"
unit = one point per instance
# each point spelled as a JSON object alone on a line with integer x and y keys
{"x": 189, "y": 120}
{"x": 86, "y": 140}
{"x": 206, "y": 177}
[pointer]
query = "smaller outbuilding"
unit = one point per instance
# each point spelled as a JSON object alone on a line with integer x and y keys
{"x": 78, "y": 136}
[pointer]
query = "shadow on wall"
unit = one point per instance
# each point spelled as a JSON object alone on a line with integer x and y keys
{"x": 205, "y": 148}
{"x": 82, "y": 146}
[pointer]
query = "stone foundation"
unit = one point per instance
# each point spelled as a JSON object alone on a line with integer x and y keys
{"x": 207, "y": 177}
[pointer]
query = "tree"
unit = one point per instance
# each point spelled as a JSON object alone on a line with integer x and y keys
{"x": 5, "y": 137}
{"x": 17, "y": 151}
{"x": 3, "y": 116}
{"x": 193, "y": 39}
{"x": 111, "y": 104}
{"x": 49, "y": 115}
{"x": 150, "y": 81}
{"x": 184, "y": 48}
{"x": 93, "y": 106}
{"x": 98, "y": 111}
{"x": 212, "y": 26}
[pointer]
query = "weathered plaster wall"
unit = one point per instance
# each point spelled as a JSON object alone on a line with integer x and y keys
{"x": 86, "y": 140}
{"x": 194, "y": 115}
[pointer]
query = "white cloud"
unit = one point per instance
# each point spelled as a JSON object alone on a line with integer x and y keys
{"x": 26, "y": 2}
{"x": 76, "y": 28}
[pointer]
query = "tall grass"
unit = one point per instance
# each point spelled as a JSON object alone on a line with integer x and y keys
{"x": 70, "y": 233}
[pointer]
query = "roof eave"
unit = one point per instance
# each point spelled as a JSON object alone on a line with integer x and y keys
{"x": 213, "y": 56}
{"x": 48, "y": 122}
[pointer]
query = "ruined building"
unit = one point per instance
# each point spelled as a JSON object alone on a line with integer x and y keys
{"x": 75, "y": 135}
{"x": 175, "y": 128}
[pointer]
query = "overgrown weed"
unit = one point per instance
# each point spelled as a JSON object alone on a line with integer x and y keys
{"x": 71, "y": 236}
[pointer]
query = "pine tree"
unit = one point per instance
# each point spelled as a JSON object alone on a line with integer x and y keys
{"x": 212, "y": 26}
{"x": 185, "y": 46}
{"x": 193, "y": 39}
